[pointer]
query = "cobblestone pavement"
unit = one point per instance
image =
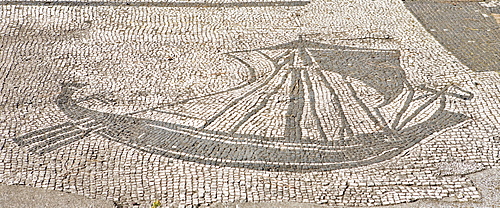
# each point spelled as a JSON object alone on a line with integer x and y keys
{"x": 468, "y": 29}
{"x": 194, "y": 103}
{"x": 23, "y": 196}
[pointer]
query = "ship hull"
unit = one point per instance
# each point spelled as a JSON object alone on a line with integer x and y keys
{"x": 255, "y": 152}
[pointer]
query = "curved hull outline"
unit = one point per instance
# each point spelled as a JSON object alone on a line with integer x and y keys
{"x": 287, "y": 152}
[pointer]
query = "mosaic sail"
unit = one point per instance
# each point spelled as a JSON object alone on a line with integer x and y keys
{"x": 316, "y": 107}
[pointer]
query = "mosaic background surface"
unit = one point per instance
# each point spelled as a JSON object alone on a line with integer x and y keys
{"x": 82, "y": 81}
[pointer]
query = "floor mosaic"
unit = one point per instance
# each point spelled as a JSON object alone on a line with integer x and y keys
{"x": 357, "y": 103}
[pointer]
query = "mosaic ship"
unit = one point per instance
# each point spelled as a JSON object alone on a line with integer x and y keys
{"x": 317, "y": 107}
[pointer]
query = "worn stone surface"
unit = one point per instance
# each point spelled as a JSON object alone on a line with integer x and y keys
{"x": 341, "y": 103}
{"x": 467, "y": 29}
{"x": 22, "y": 196}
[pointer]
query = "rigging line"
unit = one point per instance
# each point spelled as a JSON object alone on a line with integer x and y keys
{"x": 213, "y": 118}
{"x": 304, "y": 55}
{"x": 382, "y": 119}
{"x": 307, "y": 56}
{"x": 312, "y": 101}
{"x": 275, "y": 60}
{"x": 187, "y": 100}
{"x": 463, "y": 97}
{"x": 268, "y": 57}
{"x": 406, "y": 105}
{"x": 362, "y": 104}
{"x": 251, "y": 70}
{"x": 364, "y": 38}
{"x": 295, "y": 109}
{"x": 262, "y": 103}
{"x": 252, "y": 80}
{"x": 344, "y": 125}
{"x": 177, "y": 114}
{"x": 422, "y": 107}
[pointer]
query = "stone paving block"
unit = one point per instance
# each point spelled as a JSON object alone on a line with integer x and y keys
{"x": 467, "y": 29}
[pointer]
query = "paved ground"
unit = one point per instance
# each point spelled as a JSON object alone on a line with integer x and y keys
{"x": 232, "y": 103}
{"x": 467, "y": 29}
{"x": 487, "y": 182}
{"x": 22, "y": 196}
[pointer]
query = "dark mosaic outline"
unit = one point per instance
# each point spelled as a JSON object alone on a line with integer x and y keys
{"x": 191, "y": 144}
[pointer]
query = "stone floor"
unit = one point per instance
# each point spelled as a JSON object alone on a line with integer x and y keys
{"x": 199, "y": 103}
